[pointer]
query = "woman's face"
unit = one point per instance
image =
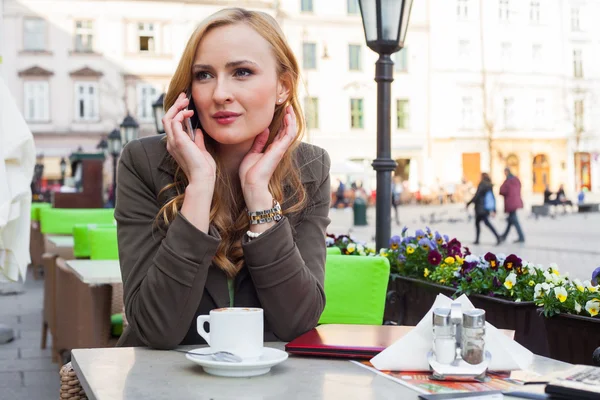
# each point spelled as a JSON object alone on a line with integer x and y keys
{"x": 235, "y": 85}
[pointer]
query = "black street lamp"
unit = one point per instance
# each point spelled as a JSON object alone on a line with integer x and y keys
{"x": 63, "y": 170}
{"x": 159, "y": 112}
{"x": 114, "y": 147}
{"x": 102, "y": 145}
{"x": 129, "y": 129}
{"x": 385, "y": 23}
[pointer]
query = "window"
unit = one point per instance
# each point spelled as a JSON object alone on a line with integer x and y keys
{"x": 356, "y": 113}
{"x": 353, "y": 7}
{"x": 401, "y": 60}
{"x": 37, "y": 101}
{"x": 146, "y": 95}
{"x": 467, "y": 112}
{"x": 506, "y": 55}
{"x": 83, "y": 37}
{"x": 403, "y": 114}
{"x": 146, "y": 35}
{"x": 462, "y": 9}
{"x": 579, "y": 115}
{"x": 34, "y": 34}
{"x": 575, "y": 22}
{"x": 464, "y": 48}
{"x": 534, "y": 11}
{"x": 509, "y": 113}
{"x": 309, "y": 55}
{"x": 577, "y": 64}
{"x": 540, "y": 112}
{"x": 354, "y": 63}
{"x": 86, "y": 101}
{"x": 311, "y": 109}
{"x": 306, "y": 5}
{"x": 503, "y": 10}
{"x": 536, "y": 56}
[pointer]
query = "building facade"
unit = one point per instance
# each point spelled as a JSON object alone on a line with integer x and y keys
{"x": 480, "y": 85}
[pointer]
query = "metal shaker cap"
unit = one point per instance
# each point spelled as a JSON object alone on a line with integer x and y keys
{"x": 441, "y": 317}
{"x": 474, "y": 318}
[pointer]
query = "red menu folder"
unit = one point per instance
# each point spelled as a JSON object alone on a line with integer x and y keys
{"x": 346, "y": 341}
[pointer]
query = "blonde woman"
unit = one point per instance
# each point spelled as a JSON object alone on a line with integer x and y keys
{"x": 184, "y": 206}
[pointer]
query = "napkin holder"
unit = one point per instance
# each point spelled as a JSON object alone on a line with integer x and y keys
{"x": 458, "y": 369}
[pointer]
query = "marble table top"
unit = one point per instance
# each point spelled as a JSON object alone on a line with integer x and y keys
{"x": 96, "y": 272}
{"x": 61, "y": 241}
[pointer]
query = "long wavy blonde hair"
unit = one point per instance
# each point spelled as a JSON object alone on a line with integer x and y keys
{"x": 227, "y": 212}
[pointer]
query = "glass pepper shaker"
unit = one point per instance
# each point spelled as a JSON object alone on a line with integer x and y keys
{"x": 473, "y": 336}
{"x": 444, "y": 341}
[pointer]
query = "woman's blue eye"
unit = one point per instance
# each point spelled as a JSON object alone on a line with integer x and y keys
{"x": 201, "y": 75}
{"x": 243, "y": 72}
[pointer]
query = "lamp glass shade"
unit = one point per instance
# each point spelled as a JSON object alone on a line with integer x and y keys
{"x": 159, "y": 112}
{"x": 114, "y": 142}
{"x": 385, "y": 23}
{"x": 368, "y": 10}
{"x": 129, "y": 130}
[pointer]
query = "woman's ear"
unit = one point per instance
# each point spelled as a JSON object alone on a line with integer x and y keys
{"x": 283, "y": 89}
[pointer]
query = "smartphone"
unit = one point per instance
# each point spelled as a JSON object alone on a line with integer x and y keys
{"x": 187, "y": 123}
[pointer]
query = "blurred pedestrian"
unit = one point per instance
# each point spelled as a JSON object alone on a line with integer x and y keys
{"x": 511, "y": 190}
{"x": 485, "y": 205}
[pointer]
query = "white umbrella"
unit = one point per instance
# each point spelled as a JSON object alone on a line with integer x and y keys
{"x": 17, "y": 159}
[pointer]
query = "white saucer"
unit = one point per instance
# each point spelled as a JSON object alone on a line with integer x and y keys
{"x": 269, "y": 358}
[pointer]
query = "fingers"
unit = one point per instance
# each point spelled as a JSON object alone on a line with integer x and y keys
{"x": 260, "y": 141}
{"x": 172, "y": 112}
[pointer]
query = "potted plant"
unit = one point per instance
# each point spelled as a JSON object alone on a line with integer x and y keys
{"x": 572, "y": 322}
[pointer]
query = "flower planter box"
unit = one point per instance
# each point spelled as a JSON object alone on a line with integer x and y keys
{"x": 572, "y": 338}
{"x": 409, "y": 299}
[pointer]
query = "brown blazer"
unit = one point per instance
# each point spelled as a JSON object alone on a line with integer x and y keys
{"x": 169, "y": 278}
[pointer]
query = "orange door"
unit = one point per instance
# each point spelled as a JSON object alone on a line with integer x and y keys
{"x": 541, "y": 173}
{"x": 471, "y": 163}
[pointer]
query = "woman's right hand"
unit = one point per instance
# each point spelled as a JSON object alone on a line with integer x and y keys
{"x": 193, "y": 158}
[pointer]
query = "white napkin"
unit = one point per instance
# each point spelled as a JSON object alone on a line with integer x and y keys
{"x": 409, "y": 353}
{"x": 17, "y": 159}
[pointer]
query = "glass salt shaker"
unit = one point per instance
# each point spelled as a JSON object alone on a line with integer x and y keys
{"x": 444, "y": 341}
{"x": 473, "y": 336}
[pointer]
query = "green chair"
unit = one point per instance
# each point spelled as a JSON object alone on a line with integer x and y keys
{"x": 60, "y": 221}
{"x": 81, "y": 247}
{"x": 36, "y": 209}
{"x": 103, "y": 243}
{"x": 334, "y": 251}
{"x": 103, "y": 246}
{"x": 356, "y": 288}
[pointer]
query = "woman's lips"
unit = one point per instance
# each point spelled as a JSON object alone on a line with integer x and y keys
{"x": 226, "y": 120}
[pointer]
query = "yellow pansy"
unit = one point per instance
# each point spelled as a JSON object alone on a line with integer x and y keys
{"x": 410, "y": 250}
{"x": 592, "y": 307}
{"x": 449, "y": 260}
{"x": 560, "y": 293}
{"x": 426, "y": 272}
{"x": 351, "y": 247}
{"x": 459, "y": 260}
{"x": 531, "y": 283}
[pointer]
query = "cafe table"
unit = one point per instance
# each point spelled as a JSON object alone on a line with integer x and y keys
{"x": 140, "y": 373}
{"x": 96, "y": 272}
{"x": 61, "y": 241}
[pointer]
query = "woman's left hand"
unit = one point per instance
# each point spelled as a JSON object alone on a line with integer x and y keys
{"x": 258, "y": 166}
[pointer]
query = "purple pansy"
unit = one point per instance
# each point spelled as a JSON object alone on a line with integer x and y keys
{"x": 595, "y": 276}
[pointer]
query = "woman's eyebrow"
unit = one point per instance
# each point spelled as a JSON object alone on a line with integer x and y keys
{"x": 231, "y": 64}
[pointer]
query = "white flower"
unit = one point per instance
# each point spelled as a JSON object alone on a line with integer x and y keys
{"x": 362, "y": 253}
{"x": 383, "y": 251}
{"x": 538, "y": 291}
{"x": 592, "y": 307}
{"x": 371, "y": 247}
{"x": 588, "y": 285}
{"x": 517, "y": 300}
{"x": 549, "y": 277}
{"x": 561, "y": 293}
{"x": 351, "y": 248}
{"x": 511, "y": 281}
{"x": 577, "y": 308}
{"x": 472, "y": 258}
{"x": 577, "y": 283}
{"x": 329, "y": 241}
{"x": 360, "y": 248}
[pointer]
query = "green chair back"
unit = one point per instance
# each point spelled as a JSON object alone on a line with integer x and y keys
{"x": 60, "y": 221}
{"x": 356, "y": 288}
{"x": 103, "y": 243}
{"x": 36, "y": 208}
{"x": 81, "y": 247}
{"x": 334, "y": 251}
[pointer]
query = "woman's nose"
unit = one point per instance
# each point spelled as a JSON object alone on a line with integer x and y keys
{"x": 222, "y": 93}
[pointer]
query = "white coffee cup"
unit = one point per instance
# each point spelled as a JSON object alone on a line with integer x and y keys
{"x": 238, "y": 330}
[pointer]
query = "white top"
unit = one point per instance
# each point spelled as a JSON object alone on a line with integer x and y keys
{"x": 96, "y": 272}
{"x": 128, "y": 373}
{"x": 17, "y": 160}
{"x": 61, "y": 241}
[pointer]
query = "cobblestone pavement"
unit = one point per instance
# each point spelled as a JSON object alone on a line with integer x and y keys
{"x": 572, "y": 241}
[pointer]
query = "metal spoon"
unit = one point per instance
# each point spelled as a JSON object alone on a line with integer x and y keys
{"x": 224, "y": 356}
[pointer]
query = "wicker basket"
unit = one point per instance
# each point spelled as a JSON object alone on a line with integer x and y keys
{"x": 70, "y": 388}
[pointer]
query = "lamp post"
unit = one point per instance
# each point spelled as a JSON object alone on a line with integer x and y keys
{"x": 63, "y": 170}
{"x": 385, "y": 23}
{"x": 159, "y": 112}
{"x": 129, "y": 130}
{"x": 114, "y": 147}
